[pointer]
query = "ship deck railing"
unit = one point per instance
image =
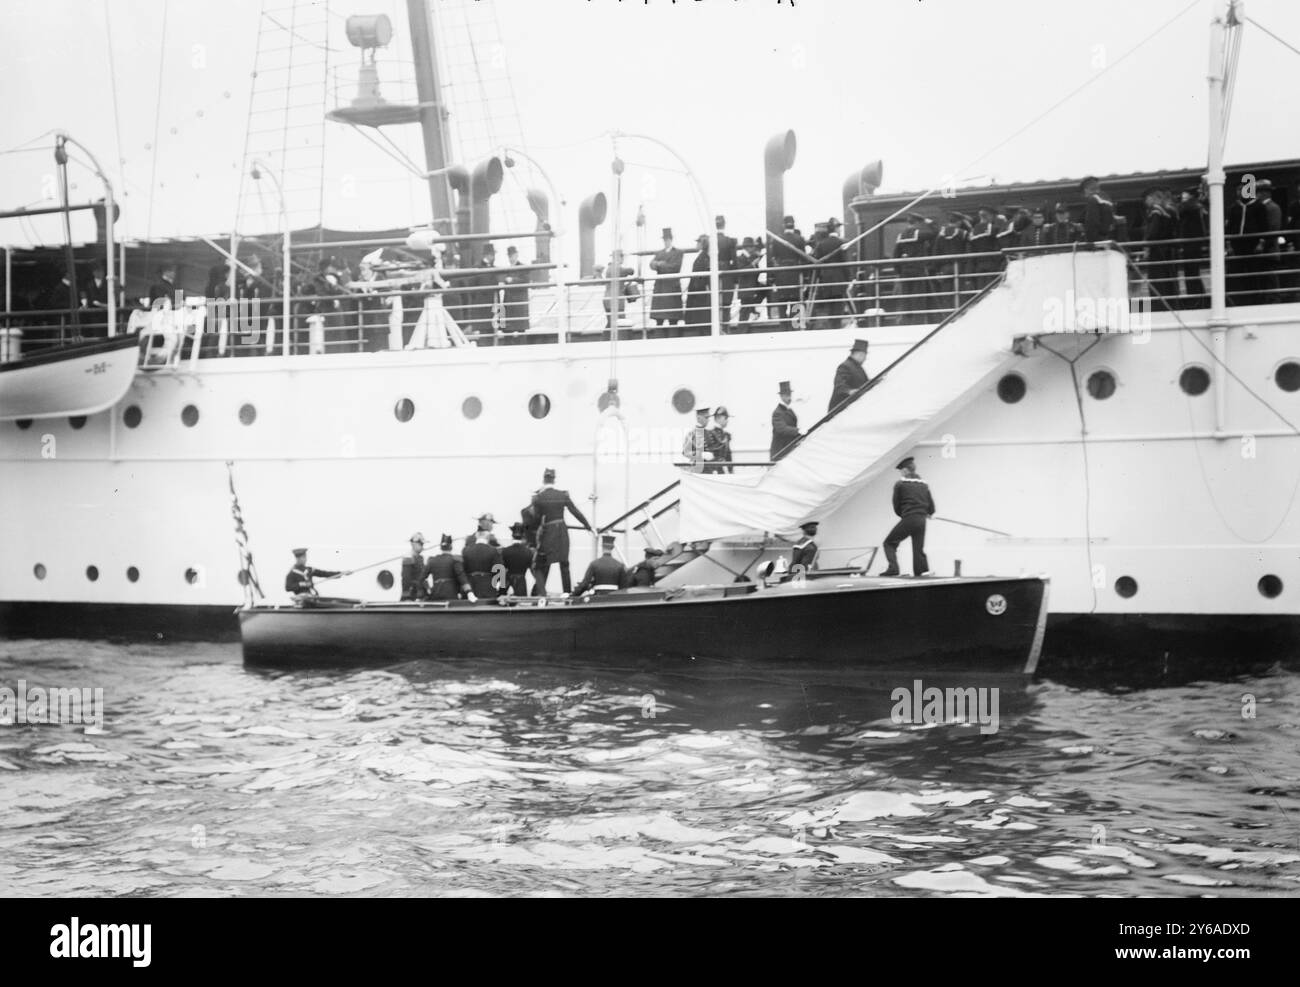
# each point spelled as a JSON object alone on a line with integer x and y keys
{"x": 538, "y": 308}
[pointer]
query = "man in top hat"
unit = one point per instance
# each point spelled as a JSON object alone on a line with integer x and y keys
{"x": 1062, "y": 230}
{"x": 300, "y": 579}
{"x": 413, "y": 587}
{"x": 517, "y": 557}
{"x": 605, "y": 574}
{"x": 785, "y": 423}
{"x": 914, "y": 506}
{"x": 445, "y": 574}
{"x": 553, "y": 541}
{"x": 482, "y": 565}
{"x": 646, "y": 572}
{"x": 695, "y": 450}
{"x": 787, "y": 255}
{"x": 666, "y": 295}
{"x": 803, "y": 557}
{"x": 1098, "y": 212}
{"x": 849, "y": 375}
{"x": 717, "y": 443}
{"x": 832, "y": 281}
{"x": 748, "y": 290}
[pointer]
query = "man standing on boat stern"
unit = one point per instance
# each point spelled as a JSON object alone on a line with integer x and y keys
{"x": 299, "y": 580}
{"x": 605, "y": 573}
{"x": 785, "y": 423}
{"x": 553, "y": 543}
{"x": 413, "y": 570}
{"x": 445, "y": 574}
{"x": 914, "y": 506}
{"x": 849, "y": 375}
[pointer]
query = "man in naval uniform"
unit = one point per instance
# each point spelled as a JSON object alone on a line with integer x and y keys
{"x": 914, "y": 506}
{"x": 413, "y": 570}
{"x": 1098, "y": 212}
{"x": 666, "y": 295}
{"x": 299, "y": 580}
{"x": 480, "y": 561}
{"x": 486, "y": 522}
{"x": 695, "y": 449}
{"x": 748, "y": 289}
{"x": 517, "y": 557}
{"x": 445, "y": 574}
{"x": 717, "y": 444}
{"x": 553, "y": 543}
{"x": 983, "y": 239}
{"x": 949, "y": 244}
{"x": 1035, "y": 234}
{"x": 514, "y": 296}
{"x": 804, "y": 553}
{"x": 849, "y": 375}
{"x": 605, "y": 573}
{"x": 647, "y": 570}
{"x": 785, "y": 423}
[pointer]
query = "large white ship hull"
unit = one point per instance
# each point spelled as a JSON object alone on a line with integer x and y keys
{"x": 1198, "y": 514}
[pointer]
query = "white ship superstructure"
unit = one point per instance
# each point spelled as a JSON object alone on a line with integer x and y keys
{"x": 1145, "y": 455}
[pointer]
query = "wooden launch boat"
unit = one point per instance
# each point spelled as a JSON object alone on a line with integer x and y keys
{"x": 77, "y": 379}
{"x": 961, "y": 626}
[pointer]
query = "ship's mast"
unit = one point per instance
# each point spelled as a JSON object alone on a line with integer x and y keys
{"x": 1224, "y": 46}
{"x": 433, "y": 115}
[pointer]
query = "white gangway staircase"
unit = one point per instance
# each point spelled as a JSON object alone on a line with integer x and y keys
{"x": 1078, "y": 290}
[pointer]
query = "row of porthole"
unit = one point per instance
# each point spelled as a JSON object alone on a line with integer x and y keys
{"x": 132, "y": 573}
{"x": 1193, "y": 380}
{"x": 1269, "y": 586}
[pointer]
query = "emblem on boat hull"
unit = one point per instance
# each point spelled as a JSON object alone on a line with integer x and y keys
{"x": 996, "y": 604}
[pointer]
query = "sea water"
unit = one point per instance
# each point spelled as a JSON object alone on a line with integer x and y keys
{"x": 202, "y": 777}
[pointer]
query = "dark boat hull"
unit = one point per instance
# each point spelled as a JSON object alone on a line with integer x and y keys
{"x": 977, "y": 626}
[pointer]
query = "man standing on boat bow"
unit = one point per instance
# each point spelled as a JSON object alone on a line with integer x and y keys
{"x": 553, "y": 542}
{"x": 914, "y": 506}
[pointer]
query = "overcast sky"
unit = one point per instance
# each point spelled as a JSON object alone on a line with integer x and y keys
{"x": 929, "y": 86}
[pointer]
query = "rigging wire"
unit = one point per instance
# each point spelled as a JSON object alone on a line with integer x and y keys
{"x": 1284, "y": 44}
{"x": 112, "y": 79}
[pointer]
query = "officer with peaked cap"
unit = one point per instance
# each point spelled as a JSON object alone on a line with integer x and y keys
{"x": 445, "y": 574}
{"x": 606, "y": 573}
{"x": 914, "y": 506}
{"x": 1098, "y": 212}
{"x": 1061, "y": 229}
{"x": 666, "y": 295}
{"x": 413, "y": 587}
{"x": 553, "y": 542}
{"x": 517, "y": 557}
{"x": 832, "y": 282}
{"x": 787, "y": 255}
{"x": 482, "y": 563}
{"x": 849, "y": 375}
{"x": 785, "y": 423}
{"x": 299, "y": 580}
{"x": 717, "y": 443}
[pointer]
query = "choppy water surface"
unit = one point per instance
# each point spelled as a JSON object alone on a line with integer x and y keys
{"x": 496, "y": 778}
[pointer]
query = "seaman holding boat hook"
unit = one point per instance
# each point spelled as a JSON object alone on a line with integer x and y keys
{"x": 299, "y": 579}
{"x": 914, "y": 506}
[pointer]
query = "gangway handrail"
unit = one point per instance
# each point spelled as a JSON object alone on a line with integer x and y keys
{"x": 639, "y": 507}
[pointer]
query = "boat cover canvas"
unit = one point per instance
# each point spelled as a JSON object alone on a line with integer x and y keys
{"x": 1076, "y": 291}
